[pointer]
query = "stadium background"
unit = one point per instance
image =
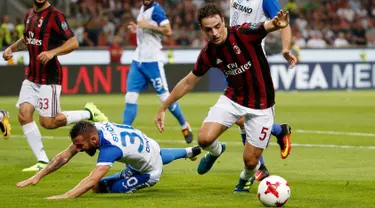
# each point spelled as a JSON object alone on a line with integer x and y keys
{"x": 331, "y": 164}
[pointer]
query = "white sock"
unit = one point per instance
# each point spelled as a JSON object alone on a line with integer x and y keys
{"x": 246, "y": 174}
{"x": 75, "y": 116}
{"x": 34, "y": 138}
{"x": 1, "y": 116}
{"x": 242, "y": 130}
{"x": 189, "y": 152}
{"x": 215, "y": 148}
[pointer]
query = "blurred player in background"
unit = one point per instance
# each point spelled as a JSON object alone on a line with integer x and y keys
{"x": 147, "y": 66}
{"x": 244, "y": 11}
{"x": 4, "y": 123}
{"x": 142, "y": 155}
{"x": 46, "y": 36}
{"x": 237, "y": 52}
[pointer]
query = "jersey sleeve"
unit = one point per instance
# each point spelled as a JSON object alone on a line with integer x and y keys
{"x": 108, "y": 155}
{"x": 203, "y": 63}
{"x": 159, "y": 16}
{"x": 253, "y": 32}
{"x": 271, "y": 7}
{"x": 61, "y": 26}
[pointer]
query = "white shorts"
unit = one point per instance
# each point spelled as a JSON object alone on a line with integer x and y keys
{"x": 45, "y": 98}
{"x": 258, "y": 123}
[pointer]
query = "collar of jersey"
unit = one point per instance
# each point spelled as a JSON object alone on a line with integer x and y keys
{"x": 102, "y": 141}
{"x": 154, "y": 4}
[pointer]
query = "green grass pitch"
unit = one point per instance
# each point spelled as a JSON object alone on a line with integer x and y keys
{"x": 339, "y": 175}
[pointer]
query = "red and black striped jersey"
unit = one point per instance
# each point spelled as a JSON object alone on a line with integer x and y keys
{"x": 244, "y": 64}
{"x": 44, "y": 31}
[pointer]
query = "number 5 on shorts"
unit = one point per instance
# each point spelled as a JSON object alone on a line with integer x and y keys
{"x": 263, "y": 133}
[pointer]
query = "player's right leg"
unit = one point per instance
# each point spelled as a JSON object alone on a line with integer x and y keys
{"x": 4, "y": 124}
{"x": 262, "y": 171}
{"x": 170, "y": 154}
{"x": 28, "y": 99}
{"x": 220, "y": 117}
{"x": 136, "y": 83}
{"x": 50, "y": 115}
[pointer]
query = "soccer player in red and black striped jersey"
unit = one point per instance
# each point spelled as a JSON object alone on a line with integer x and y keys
{"x": 238, "y": 53}
{"x": 46, "y": 36}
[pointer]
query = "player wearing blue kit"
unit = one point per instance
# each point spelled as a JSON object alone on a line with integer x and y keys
{"x": 242, "y": 11}
{"x": 147, "y": 66}
{"x": 142, "y": 155}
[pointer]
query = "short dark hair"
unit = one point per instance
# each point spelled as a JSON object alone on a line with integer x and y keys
{"x": 81, "y": 128}
{"x": 207, "y": 10}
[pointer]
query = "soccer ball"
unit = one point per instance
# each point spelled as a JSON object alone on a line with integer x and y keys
{"x": 273, "y": 191}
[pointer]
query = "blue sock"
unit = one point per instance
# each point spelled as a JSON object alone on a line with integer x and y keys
{"x": 170, "y": 154}
{"x": 243, "y": 136}
{"x": 177, "y": 113}
{"x": 129, "y": 114}
{"x": 276, "y": 130}
{"x": 261, "y": 160}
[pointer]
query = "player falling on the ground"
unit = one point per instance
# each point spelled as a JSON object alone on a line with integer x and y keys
{"x": 147, "y": 66}
{"x": 46, "y": 36}
{"x": 4, "y": 123}
{"x": 255, "y": 12}
{"x": 238, "y": 53}
{"x": 142, "y": 155}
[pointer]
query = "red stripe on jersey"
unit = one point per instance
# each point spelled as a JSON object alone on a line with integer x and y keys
{"x": 30, "y": 46}
{"x": 38, "y": 36}
{"x": 258, "y": 69}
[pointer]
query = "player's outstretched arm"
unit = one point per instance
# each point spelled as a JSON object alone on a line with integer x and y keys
{"x": 286, "y": 38}
{"x": 70, "y": 45}
{"x": 19, "y": 45}
{"x": 184, "y": 86}
{"x": 58, "y": 161}
{"x": 278, "y": 22}
{"x": 86, "y": 184}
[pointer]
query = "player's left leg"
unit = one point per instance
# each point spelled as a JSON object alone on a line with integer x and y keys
{"x": 50, "y": 115}
{"x": 156, "y": 76}
{"x": 262, "y": 171}
{"x": 170, "y": 154}
{"x": 127, "y": 181}
{"x": 4, "y": 123}
{"x": 258, "y": 124}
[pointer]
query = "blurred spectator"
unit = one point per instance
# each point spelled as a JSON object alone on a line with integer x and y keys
{"x": 5, "y": 35}
{"x": 341, "y": 41}
{"x": 116, "y": 50}
{"x": 20, "y": 27}
{"x": 299, "y": 40}
{"x": 316, "y": 42}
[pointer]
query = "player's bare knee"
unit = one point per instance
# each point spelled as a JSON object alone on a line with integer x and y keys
{"x": 250, "y": 163}
{"x": 204, "y": 139}
{"x": 24, "y": 118}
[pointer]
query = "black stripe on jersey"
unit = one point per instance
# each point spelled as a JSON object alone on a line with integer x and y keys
{"x": 40, "y": 48}
{"x": 32, "y": 51}
{"x": 226, "y": 62}
{"x": 243, "y": 75}
{"x": 211, "y": 58}
{"x": 266, "y": 75}
{"x": 254, "y": 77}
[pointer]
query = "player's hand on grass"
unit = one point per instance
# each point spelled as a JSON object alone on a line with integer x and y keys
{"x": 46, "y": 56}
{"x": 8, "y": 54}
{"x": 159, "y": 120}
{"x": 281, "y": 20}
{"x": 30, "y": 181}
{"x": 132, "y": 27}
{"x": 62, "y": 196}
{"x": 290, "y": 58}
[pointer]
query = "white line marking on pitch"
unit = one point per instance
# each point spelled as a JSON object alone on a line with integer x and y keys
{"x": 234, "y": 143}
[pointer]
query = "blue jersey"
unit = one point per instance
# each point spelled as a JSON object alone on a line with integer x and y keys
{"x": 127, "y": 145}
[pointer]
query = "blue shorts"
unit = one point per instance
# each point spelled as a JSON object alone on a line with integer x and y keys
{"x": 125, "y": 181}
{"x": 141, "y": 74}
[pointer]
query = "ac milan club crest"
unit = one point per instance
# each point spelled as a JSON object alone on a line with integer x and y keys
{"x": 236, "y": 49}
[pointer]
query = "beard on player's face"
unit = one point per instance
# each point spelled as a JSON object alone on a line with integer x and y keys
{"x": 148, "y": 2}
{"x": 40, "y": 3}
{"x": 91, "y": 150}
